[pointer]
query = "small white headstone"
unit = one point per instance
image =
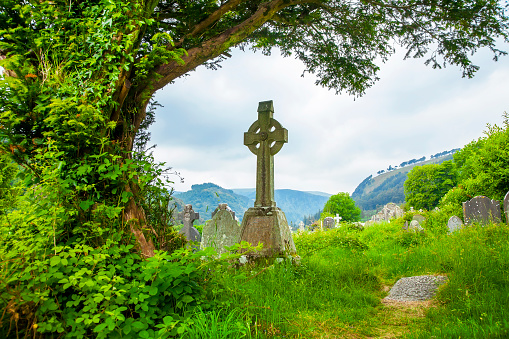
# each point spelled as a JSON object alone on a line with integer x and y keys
{"x": 337, "y": 219}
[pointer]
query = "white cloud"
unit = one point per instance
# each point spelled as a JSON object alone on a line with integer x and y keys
{"x": 334, "y": 140}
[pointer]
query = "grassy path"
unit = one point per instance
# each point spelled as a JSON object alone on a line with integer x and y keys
{"x": 345, "y": 273}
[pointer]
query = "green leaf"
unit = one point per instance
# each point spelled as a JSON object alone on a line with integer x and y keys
{"x": 54, "y": 260}
{"x": 138, "y": 326}
{"x": 100, "y": 327}
{"x": 152, "y": 291}
{"x": 85, "y": 205}
{"x": 187, "y": 299}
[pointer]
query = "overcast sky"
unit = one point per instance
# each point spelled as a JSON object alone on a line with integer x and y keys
{"x": 335, "y": 141}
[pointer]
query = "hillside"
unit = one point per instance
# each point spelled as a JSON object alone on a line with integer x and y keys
{"x": 374, "y": 192}
{"x": 295, "y": 204}
{"x": 206, "y": 197}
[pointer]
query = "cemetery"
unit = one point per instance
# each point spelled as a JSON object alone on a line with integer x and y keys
{"x": 95, "y": 243}
{"x": 403, "y": 242}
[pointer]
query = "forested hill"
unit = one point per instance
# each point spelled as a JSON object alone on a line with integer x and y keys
{"x": 374, "y": 192}
{"x": 295, "y": 204}
{"x": 206, "y": 197}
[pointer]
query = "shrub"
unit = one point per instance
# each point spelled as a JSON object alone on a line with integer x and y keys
{"x": 102, "y": 292}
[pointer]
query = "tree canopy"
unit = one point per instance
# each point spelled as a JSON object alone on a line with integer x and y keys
{"x": 483, "y": 164}
{"x": 342, "y": 205}
{"x": 427, "y": 184}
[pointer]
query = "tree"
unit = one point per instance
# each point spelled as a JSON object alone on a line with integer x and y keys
{"x": 78, "y": 75}
{"x": 427, "y": 184}
{"x": 483, "y": 164}
{"x": 343, "y": 205}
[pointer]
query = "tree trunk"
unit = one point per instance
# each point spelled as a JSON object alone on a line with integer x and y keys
{"x": 129, "y": 118}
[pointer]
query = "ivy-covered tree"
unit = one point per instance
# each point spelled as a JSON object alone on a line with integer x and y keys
{"x": 427, "y": 184}
{"x": 8, "y": 192}
{"x": 78, "y": 76}
{"x": 342, "y": 205}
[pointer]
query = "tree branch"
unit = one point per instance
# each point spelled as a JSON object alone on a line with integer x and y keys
{"x": 217, "y": 45}
{"x": 212, "y": 18}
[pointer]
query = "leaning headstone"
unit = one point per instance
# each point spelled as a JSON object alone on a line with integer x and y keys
{"x": 482, "y": 210}
{"x": 415, "y": 226}
{"x": 222, "y": 230}
{"x": 506, "y": 207}
{"x": 454, "y": 224}
{"x": 188, "y": 217}
{"x": 328, "y": 223}
{"x": 265, "y": 223}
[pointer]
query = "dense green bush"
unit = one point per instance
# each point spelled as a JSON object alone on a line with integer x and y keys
{"x": 104, "y": 292}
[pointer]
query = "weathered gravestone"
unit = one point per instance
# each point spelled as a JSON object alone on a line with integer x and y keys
{"x": 454, "y": 224}
{"x": 482, "y": 210}
{"x": 265, "y": 223}
{"x": 222, "y": 230}
{"x": 415, "y": 226}
{"x": 506, "y": 207}
{"x": 389, "y": 211}
{"x": 328, "y": 223}
{"x": 420, "y": 219}
{"x": 188, "y": 217}
{"x": 301, "y": 226}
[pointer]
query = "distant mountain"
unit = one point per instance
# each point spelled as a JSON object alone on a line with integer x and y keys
{"x": 375, "y": 192}
{"x": 206, "y": 197}
{"x": 295, "y": 204}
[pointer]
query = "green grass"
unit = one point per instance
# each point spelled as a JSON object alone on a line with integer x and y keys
{"x": 218, "y": 324}
{"x": 344, "y": 273}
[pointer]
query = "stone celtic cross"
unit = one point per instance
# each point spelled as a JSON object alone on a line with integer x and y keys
{"x": 265, "y": 138}
{"x": 188, "y": 216}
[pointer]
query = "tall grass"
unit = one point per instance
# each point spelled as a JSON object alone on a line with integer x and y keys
{"x": 344, "y": 273}
{"x": 218, "y": 324}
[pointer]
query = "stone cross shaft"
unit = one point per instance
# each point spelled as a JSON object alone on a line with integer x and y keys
{"x": 265, "y": 138}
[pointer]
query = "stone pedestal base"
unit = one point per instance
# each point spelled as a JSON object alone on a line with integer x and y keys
{"x": 267, "y": 225}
